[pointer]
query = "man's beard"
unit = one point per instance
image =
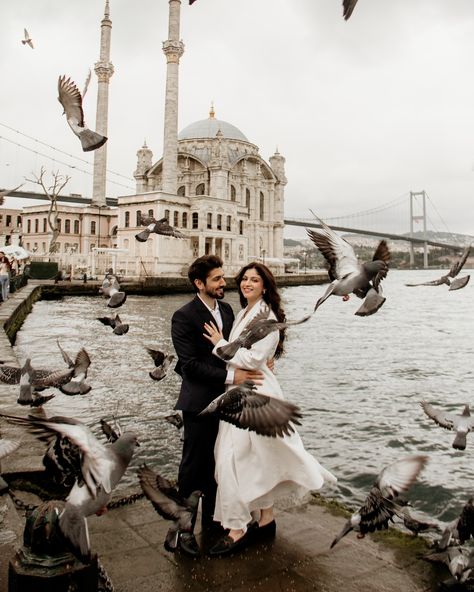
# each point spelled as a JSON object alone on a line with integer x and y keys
{"x": 217, "y": 293}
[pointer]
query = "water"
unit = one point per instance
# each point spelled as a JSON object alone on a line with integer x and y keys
{"x": 359, "y": 381}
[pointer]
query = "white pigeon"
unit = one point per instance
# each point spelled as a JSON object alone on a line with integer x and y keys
{"x": 27, "y": 39}
{"x": 5, "y": 192}
{"x": 71, "y": 100}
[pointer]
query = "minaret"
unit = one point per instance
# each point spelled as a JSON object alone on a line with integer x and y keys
{"x": 173, "y": 49}
{"x": 104, "y": 70}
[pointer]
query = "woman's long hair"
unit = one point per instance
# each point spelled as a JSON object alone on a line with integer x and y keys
{"x": 271, "y": 296}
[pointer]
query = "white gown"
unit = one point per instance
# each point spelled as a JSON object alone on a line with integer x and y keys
{"x": 253, "y": 471}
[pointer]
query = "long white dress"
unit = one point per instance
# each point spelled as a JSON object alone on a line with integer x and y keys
{"x": 253, "y": 471}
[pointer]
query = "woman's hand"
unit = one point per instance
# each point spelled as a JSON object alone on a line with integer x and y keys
{"x": 212, "y": 333}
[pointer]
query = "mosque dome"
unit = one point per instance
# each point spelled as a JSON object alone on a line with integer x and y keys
{"x": 208, "y": 128}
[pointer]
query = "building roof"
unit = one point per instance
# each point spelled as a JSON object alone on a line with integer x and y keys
{"x": 208, "y": 128}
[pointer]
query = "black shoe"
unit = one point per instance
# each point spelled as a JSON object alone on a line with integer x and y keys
{"x": 188, "y": 544}
{"x": 226, "y": 545}
{"x": 266, "y": 532}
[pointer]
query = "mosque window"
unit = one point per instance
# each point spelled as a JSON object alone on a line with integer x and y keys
{"x": 45, "y": 225}
{"x": 167, "y": 215}
{"x": 247, "y": 198}
{"x": 241, "y": 226}
{"x": 200, "y": 189}
{"x": 233, "y": 193}
{"x": 229, "y": 221}
{"x": 262, "y": 204}
{"x": 59, "y": 224}
{"x": 93, "y": 227}
{"x": 182, "y": 191}
{"x": 219, "y": 221}
{"x": 209, "y": 220}
{"x": 9, "y": 220}
{"x": 175, "y": 218}
{"x": 67, "y": 226}
{"x": 28, "y": 226}
{"x": 36, "y": 225}
{"x": 127, "y": 219}
{"x": 184, "y": 220}
{"x": 76, "y": 226}
{"x": 27, "y": 246}
{"x": 139, "y": 218}
{"x": 43, "y": 245}
{"x": 18, "y": 220}
{"x": 151, "y": 214}
{"x": 195, "y": 220}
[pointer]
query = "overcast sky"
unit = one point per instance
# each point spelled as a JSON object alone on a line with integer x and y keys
{"x": 364, "y": 111}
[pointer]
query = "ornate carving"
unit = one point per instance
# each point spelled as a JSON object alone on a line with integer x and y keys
{"x": 173, "y": 50}
{"x": 104, "y": 71}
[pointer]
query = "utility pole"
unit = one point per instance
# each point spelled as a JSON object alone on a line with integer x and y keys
{"x": 416, "y": 218}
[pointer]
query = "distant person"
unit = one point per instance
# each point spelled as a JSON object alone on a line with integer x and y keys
{"x": 5, "y": 270}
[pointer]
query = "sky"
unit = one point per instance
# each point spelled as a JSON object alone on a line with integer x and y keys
{"x": 364, "y": 111}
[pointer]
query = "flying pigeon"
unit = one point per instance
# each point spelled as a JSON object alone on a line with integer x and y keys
{"x": 111, "y": 289}
{"x": 77, "y": 385}
{"x": 348, "y": 6}
{"x": 5, "y": 192}
{"x": 461, "y": 424}
{"x": 170, "y": 505}
{"x": 454, "y": 284}
{"x": 27, "y": 39}
{"x": 243, "y": 407}
{"x": 115, "y": 322}
{"x": 158, "y": 227}
{"x": 62, "y": 460}
{"x": 32, "y": 380}
{"x": 6, "y": 448}
{"x": 71, "y": 100}
{"x": 258, "y": 328}
{"x": 162, "y": 363}
{"x": 461, "y": 529}
{"x": 379, "y": 506}
{"x": 175, "y": 419}
{"x": 102, "y": 467}
{"x": 109, "y": 432}
{"x": 347, "y": 275}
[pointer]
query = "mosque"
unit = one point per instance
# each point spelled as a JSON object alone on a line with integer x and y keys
{"x": 210, "y": 183}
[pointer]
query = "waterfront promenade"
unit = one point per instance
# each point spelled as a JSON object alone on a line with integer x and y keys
{"x": 129, "y": 540}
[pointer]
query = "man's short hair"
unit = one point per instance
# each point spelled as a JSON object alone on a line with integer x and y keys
{"x": 201, "y": 267}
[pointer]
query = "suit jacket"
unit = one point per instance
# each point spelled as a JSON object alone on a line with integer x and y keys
{"x": 203, "y": 373}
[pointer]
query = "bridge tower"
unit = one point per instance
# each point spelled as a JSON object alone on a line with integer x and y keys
{"x": 416, "y": 218}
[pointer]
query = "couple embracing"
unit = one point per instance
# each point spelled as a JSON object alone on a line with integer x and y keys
{"x": 240, "y": 473}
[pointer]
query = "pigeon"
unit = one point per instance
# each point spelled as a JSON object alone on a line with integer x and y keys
{"x": 379, "y": 506}
{"x": 169, "y": 504}
{"x": 116, "y": 324}
{"x": 175, "y": 419}
{"x": 28, "y": 379}
{"x": 461, "y": 529}
{"x": 162, "y": 363}
{"x": 102, "y": 467}
{"x": 158, "y": 227}
{"x": 62, "y": 460}
{"x": 347, "y": 274}
{"x": 71, "y": 100}
{"x": 414, "y": 525}
{"x": 458, "y": 560}
{"x": 454, "y": 284}
{"x": 77, "y": 385}
{"x": 27, "y": 39}
{"x": 6, "y": 448}
{"x": 461, "y": 424}
{"x": 243, "y": 407}
{"x": 111, "y": 289}
{"x": 258, "y": 328}
{"x": 109, "y": 432}
{"x": 348, "y": 7}
{"x": 5, "y": 192}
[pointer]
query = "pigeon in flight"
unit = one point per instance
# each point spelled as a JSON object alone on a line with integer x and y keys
{"x": 77, "y": 384}
{"x": 461, "y": 529}
{"x": 71, "y": 100}
{"x": 158, "y": 227}
{"x": 112, "y": 434}
{"x": 258, "y": 328}
{"x": 379, "y": 506}
{"x": 170, "y": 505}
{"x": 162, "y": 362}
{"x": 454, "y": 284}
{"x": 115, "y": 322}
{"x": 5, "y": 192}
{"x": 347, "y": 8}
{"x": 27, "y": 39}
{"x": 175, "y": 419}
{"x": 111, "y": 289}
{"x": 347, "y": 275}
{"x": 461, "y": 424}
{"x": 243, "y": 407}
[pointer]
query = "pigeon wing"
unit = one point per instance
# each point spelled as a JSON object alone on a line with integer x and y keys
{"x": 338, "y": 253}
{"x": 438, "y": 282}
{"x": 157, "y": 355}
{"x": 70, "y": 99}
{"x": 107, "y": 321}
{"x": 347, "y": 8}
{"x": 445, "y": 420}
{"x": 10, "y": 375}
{"x": 458, "y": 265}
{"x": 376, "y": 512}
{"x": 382, "y": 253}
{"x": 68, "y": 360}
{"x": 7, "y": 447}
{"x": 163, "y": 227}
{"x": 398, "y": 477}
{"x": 166, "y": 506}
{"x": 147, "y": 220}
{"x": 81, "y": 363}
{"x": 53, "y": 379}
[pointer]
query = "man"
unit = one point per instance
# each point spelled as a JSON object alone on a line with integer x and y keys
{"x": 204, "y": 378}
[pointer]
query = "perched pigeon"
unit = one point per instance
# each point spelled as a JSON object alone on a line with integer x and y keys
{"x": 77, "y": 385}
{"x": 458, "y": 560}
{"x": 461, "y": 424}
{"x": 27, "y": 39}
{"x": 347, "y": 275}
{"x": 6, "y": 448}
{"x": 243, "y": 407}
{"x": 162, "y": 363}
{"x": 258, "y": 328}
{"x": 158, "y": 227}
{"x": 111, "y": 289}
{"x": 116, "y": 324}
{"x": 5, "y": 192}
{"x": 461, "y": 529}
{"x": 109, "y": 432}
{"x": 169, "y": 504}
{"x": 454, "y": 284}
{"x": 102, "y": 467}
{"x": 379, "y": 506}
{"x": 348, "y": 6}
{"x": 175, "y": 419}
{"x": 71, "y": 100}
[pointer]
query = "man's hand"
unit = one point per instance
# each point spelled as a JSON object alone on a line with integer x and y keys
{"x": 240, "y": 375}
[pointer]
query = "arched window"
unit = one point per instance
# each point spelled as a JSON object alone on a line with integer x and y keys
{"x": 36, "y": 225}
{"x": 151, "y": 214}
{"x": 93, "y": 226}
{"x": 28, "y": 226}
{"x": 167, "y": 215}
{"x": 127, "y": 219}
{"x": 181, "y": 191}
{"x": 241, "y": 226}
{"x": 200, "y": 189}
{"x": 45, "y": 224}
{"x": 175, "y": 218}
{"x": 195, "y": 220}
{"x": 262, "y": 204}
{"x": 229, "y": 222}
{"x": 219, "y": 221}
{"x": 139, "y": 218}
{"x": 18, "y": 220}
{"x": 184, "y": 220}
{"x": 67, "y": 226}
{"x": 233, "y": 193}
{"x": 247, "y": 198}
{"x": 76, "y": 226}
{"x": 209, "y": 220}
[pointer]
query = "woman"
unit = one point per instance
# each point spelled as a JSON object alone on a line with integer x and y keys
{"x": 4, "y": 276}
{"x": 253, "y": 471}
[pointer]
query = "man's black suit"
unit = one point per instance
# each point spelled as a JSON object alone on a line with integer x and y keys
{"x": 203, "y": 377}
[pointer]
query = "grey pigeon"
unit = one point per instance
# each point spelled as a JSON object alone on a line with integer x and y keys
{"x": 175, "y": 419}
{"x": 162, "y": 363}
{"x": 5, "y": 192}
{"x": 461, "y": 529}
{"x": 26, "y": 379}
{"x": 415, "y": 525}
{"x": 111, "y": 289}
{"x": 115, "y": 322}
{"x": 461, "y": 424}
{"x": 347, "y": 275}
{"x": 27, "y": 39}
{"x": 71, "y": 100}
{"x": 380, "y": 506}
{"x": 77, "y": 384}
{"x": 347, "y": 7}
{"x": 243, "y": 407}
{"x": 258, "y": 328}
{"x": 454, "y": 284}
{"x": 158, "y": 227}
{"x": 6, "y": 448}
{"x": 170, "y": 505}
{"x": 458, "y": 560}
{"x": 102, "y": 467}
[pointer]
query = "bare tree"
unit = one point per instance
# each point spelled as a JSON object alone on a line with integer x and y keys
{"x": 52, "y": 192}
